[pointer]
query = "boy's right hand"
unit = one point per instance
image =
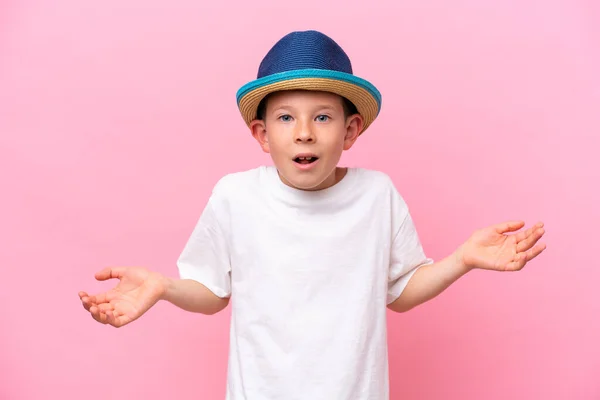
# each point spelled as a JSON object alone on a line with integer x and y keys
{"x": 138, "y": 290}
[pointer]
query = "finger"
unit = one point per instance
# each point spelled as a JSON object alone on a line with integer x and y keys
{"x": 104, "y": 307}
{"x": 509, "y": 226}
{"x": 115, "y": 319}
{"x": 94, "y": 312}
{"x": 87, "y": 303}
{"x": 110, "y": 273}
{"x": 519, "y": 237}
{"x": 110, "y": 317}
{"x": 86, "y": 300}
{"x": 100, "y": 298}
{"x": 103, "y": 318}
{"x": 523, "y": 235}
{"x": 535, "y": 251}
{"x": 101, "y": 301}
{"x": 521, "y": 259}
{"x": 529, "y": 241}
{"x": 97, "y": 315}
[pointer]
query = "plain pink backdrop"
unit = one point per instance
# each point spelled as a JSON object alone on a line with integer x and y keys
{"x": 116, "y": 118}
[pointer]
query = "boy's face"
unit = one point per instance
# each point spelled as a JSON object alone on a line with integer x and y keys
{"x": 305, "y": 133}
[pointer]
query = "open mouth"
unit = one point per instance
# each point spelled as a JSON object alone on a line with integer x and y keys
{"x": 306, "y": 160}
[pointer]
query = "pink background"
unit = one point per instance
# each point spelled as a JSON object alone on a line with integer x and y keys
{"x": 116, "y": 118}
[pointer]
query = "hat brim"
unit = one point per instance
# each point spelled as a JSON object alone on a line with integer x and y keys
{"x": 360, "y": 92}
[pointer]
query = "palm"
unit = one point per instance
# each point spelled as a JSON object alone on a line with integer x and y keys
{"x": 491, "y": 248}
{"x": 138, "y": 290}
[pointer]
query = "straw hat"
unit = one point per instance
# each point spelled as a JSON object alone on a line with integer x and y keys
{"x": 309, "y": 60}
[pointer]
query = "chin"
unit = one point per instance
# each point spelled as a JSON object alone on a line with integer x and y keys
{"x": 313, "y": 180}
{"x": 308, "y": 185}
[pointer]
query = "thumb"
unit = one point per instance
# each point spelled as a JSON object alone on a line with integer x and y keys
{"x": 110, "y": 273}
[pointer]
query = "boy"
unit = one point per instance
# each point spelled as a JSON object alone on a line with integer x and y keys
{"x": 311, "y": 254}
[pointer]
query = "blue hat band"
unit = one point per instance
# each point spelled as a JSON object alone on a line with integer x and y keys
{"x": 310, "y": 73}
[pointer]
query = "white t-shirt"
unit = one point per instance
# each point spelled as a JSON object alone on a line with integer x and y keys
{"x": 309, "y": 275}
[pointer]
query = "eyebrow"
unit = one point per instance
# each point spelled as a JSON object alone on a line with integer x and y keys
{"x": 325, "y": 106}
{"x": 318, "y": 107}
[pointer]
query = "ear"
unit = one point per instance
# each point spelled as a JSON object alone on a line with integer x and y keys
{"x": 259, "y": 132}
{"x": 354, "y": 125}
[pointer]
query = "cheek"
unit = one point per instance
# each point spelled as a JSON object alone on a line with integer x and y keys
{"x": 336, "y": 144}
{"x": 275, "y": 146}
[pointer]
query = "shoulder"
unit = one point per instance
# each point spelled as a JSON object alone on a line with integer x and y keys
{"x": 375, "y": 180}
{"x": 233, "y": 190}
{"x": 382, "y": 187}
{"x": 374, "y": 176}
{"x": 237, "y": 183}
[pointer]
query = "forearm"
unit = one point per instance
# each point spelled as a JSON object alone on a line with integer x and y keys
{"x": 429, "y": 281}
{"x": 192, "y": 296}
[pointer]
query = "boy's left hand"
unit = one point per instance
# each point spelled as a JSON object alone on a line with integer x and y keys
{"x": 492, "y": 248}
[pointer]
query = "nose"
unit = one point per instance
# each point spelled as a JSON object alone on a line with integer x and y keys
{"x": 304, "y": 133}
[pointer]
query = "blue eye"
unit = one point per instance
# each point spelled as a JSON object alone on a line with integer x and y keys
{"x": 322, "y": 118}
{"x": 286, "y": 118}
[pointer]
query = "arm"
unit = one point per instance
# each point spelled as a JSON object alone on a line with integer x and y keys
{"x": 488, "y": 248}
{"x": 192, "y": 296}
{"x": 139, "y": 289}
{"x": 428, "y": 282}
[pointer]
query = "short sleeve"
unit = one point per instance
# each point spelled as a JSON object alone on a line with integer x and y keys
{"x": 407, "y": 255}
{"x": 205, "y": 257}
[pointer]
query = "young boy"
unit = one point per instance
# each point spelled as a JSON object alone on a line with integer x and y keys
{"x": 311, "y": 254}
